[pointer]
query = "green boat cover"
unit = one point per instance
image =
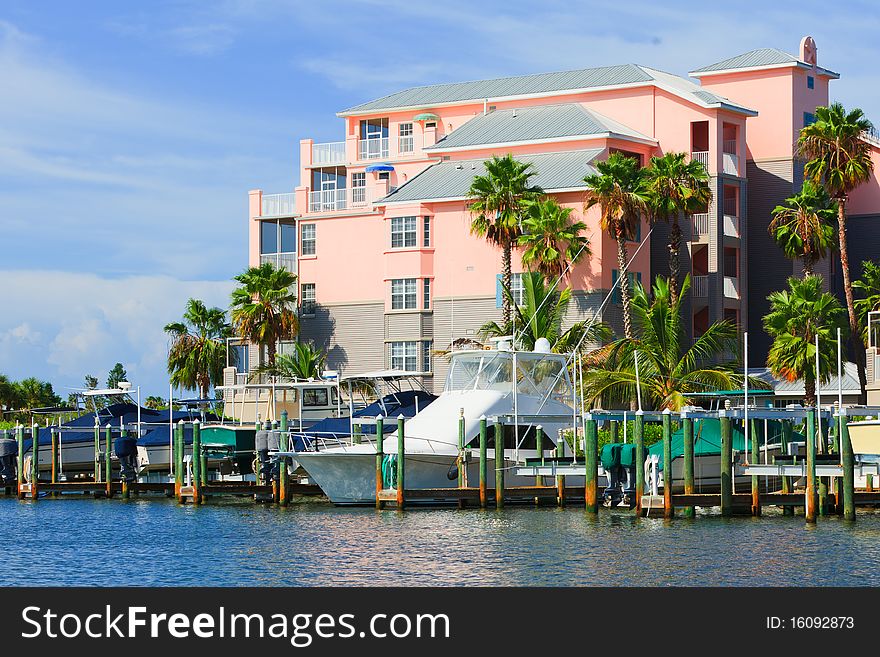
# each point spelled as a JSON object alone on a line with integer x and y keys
{"x": 617, "y": 454}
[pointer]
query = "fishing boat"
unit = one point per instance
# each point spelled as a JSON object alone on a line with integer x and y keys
{"x": 479, "y": 383}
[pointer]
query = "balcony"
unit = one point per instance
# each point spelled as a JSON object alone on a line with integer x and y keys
{"x": 731, "y": 226}
{"x": 700, "y": 287}
{"x": 700, "y": 226}
{"x": 731, "y": 287}
{"x": 330, "y": 153}
{"x": 337, "y": 200}
{"x": 278, "y": 205}
{"x": 729, "y": 161}
{"x": 702, "y": 157}
{"x": 280, "y": 260}
{"x": 373, "y": 148}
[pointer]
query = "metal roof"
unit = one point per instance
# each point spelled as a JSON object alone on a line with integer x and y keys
{"x": 534, "y": 123}
{"x": 756, "y": 59}
{"x": 451, "y": 179}
{"x": 525, "y": 85}
{"x": 850, "y": 381}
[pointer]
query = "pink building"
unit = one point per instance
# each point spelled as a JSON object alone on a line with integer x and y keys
{"x": 378, "y": 230}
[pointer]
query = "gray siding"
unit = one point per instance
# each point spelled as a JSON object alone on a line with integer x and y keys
{"x": 468, "y": 315}
{"x": 350, "y": 334}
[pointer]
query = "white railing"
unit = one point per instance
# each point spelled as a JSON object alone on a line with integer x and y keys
{"x": 278, "y": 205}
{"x": 729, "y": 146}
{"x": 281, "y": 260}
{"x": 702, "y": 157}
{"x": 731, "y": 287}
{"x": 330, "y": 153}
{"x": 701, "y": 286}
{"x": 334, "y": 200}
{"x": 406, "y": 144}
{"x": 375, "y": 147}
{"x": 731, "y": 225}
{"x": 729, "y": 164}
{"x": 700, "y": 225}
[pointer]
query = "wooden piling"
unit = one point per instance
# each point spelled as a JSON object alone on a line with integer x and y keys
{"x": 786, "y": 481}
{"x": 108, "y": 466}
{"x": 461, "y": 463}
{"x": 380, "y": 455}
{"x": 97, "y": 450}
{"x": 846, "y": 453}
{"x": 757, "y": 433}
{"x": 283, "y": 475}
{"x": 639, "y": 441}
{"x": 591, "y": 456}
{"x": 19, "y": 470}
{"x": 179, "y": 447}
{"x": 614, "y": 430}
{"x": 559, "y": 452}
{"x": 54, "y": 478}
{"x": 687, "y": 426}
{"x": 499, "y": 465}
{"x": 401, "y": 457}
{"x": 484, "y": 440}
{"x": 668, "y": 509}
{"x": 811, "y": 501}
{"x": 197, "y": 463}
{"x": 126, "y": 492}
{"x": 726, "y": 465}
{"x": 35, "y": 460}
{"x": 539, "y": 446}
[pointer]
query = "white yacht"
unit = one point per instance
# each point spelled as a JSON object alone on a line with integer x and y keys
{"x": 479, "y": 383}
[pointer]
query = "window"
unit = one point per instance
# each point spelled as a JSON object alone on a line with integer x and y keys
{"x": 516, "y": 290}
{"x": 403, "y": 232}
{"x": 634, "y": 278}
{"x": 809, "y": 119}
{"x": 403, "y": 294}
{"x": 315, "y": 397}
{"x": 811, "y": 83}
{"x": 359, "y": 187}
{"x": 277, "y": 237}
{"x": 431, "y": 124}
{"x": 426, "y": 294}
{"x": 406, "y": 138}
{"x": 426, "y": 231}
{"x": 308, "y": 240}
{"x": 404, "y": 356}
{"x": 427, "y": 355}
{"x": 307, "y": 299}
{"x": 638, "y": 232}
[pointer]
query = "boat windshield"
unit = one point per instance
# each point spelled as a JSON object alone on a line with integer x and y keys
{"x": 537, "y": 374}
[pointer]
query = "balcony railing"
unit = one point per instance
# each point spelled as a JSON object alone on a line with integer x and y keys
{"x": 700, "y": 225}
{"x": 730, "y": 206}
{"x": 729, "y": 164}
{"x": 702, "y": 157}
{"x": 373, "y": 148}
{"x": 731, "y": 226}
{"x": 731, "y": 287}
{"x": 329, "y": 153}
{"x": 729, "y": 146}
{"x": 278, "y": 205}
{"x": 700, "y": 287}
{"x": 406, "y": 144}
{"x": 335, "y": 200}
{"x": 280, "y": 260}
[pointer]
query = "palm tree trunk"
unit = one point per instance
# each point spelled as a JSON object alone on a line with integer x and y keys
{"x": 808, "y": 265}
{"x": 271, "y": 349}
{"x": 674, "y": 262}
{"x": 810, "y": 391}
{"x": 855, "y": 334}
{"x": 622, "y": 258}
{"x": 505, "y": 280}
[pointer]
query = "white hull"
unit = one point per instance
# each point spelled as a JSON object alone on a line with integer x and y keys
{"x": 74, "y": 457}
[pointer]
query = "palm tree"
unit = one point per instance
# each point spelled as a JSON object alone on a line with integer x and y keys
{"x": 541, "y": 315}
{"x": 305, "y": 362}
{"x": 198, "y": 347}
{"x": 552, "y": 239}
{"x": 499, "y": 200}
{"x": 9, "y": 398}
{"x": 869, "y": 287}
{"x": 797, "y": 315}
{"x": 840, "y": 160}
{"x": 804, "y": 226}
{"x": 676, "y": 184}
{"x": 155, "y": 402}
{"x": 669, "y": 376}
{"x": 32, "y": 393}
{"x": 620, "y": 191}
{"x": 263, "y": 308}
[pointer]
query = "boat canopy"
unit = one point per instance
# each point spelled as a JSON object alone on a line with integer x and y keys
{"x": 538, "y": 374}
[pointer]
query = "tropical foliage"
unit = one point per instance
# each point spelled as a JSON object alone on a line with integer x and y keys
{"x": 620, "y": 190}
{"x": 264, "y": 307}
{"x": 676, "y": 185}
{"x": 803, "y": 227}
{"x": 156, "y": 403}
{"x": 868, "y": 287}
{"x": 839, "y": 159}
{"x": 552, "y": 238}
{"x": 198, "y": 347}
{"x": 305, "y": 362}
{"x": 797, "y": 316}
{"x": 669, "y": 375}
{"x": 541, "y": 315}
{"x": 500, "y": 198}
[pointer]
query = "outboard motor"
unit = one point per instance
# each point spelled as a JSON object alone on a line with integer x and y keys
{"x": 8, "y": 454}
{"x": 126, "y": 451}
{"x": 261, "y": 445}
{"x": 274, "y": 442}
{"x": 618, "y": 461}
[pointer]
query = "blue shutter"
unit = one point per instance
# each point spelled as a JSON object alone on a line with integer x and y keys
{"x": 615, "y": 296}
{"x": 498, "y": 291}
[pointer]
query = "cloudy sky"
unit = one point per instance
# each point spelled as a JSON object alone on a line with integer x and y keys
{"x": 131, "y": 132}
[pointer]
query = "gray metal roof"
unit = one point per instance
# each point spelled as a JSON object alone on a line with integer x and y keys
{"x": 850, "y": 381}
{"x": 538, "y": 83}
{"x": 757, "y": 58}
{"x": 531, "y": 123}
{"x": 452, "y": 178}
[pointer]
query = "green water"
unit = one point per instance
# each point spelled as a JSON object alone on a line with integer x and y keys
{"x": 81, "y": 541}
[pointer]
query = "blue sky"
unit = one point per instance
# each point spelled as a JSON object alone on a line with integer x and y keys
{"x": 130, "y": 133}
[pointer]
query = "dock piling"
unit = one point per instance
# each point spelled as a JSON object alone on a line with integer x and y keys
{"x": 786, "y": 481}
{"x": 811, "y": 500}
{"x": 197, "y": 463}
{"x": 484, "y": 440}
{"x": 179, "y": 441}
{"x": 687, "y": 425}
{"x": 668, "y": 509}
{"x": 54, "y": 455}
{"x": 639, "y": 442}
{"x": 499, "y": 465}
{"x": 283, "y": 476}
{"x": 726, "y": 465}
{"x": 401, "y": 457}
{"x": 757, "y": 435}
{"x": 108, "y": 470}
{"x": 539, "y": 445}
{"x": 19, "y": 470}
{"x": 97, "y": 450}
{"x": 591, "y": 456}
{"x": 35, "y": 459}
{"x": 380, "y": 455}
{"x": 846, "y": 453}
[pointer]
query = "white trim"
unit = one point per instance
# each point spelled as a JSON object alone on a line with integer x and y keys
{"x": 766, "y": 67}
{"x": 552, "y": 140}
{"x": 466, "y": 198}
